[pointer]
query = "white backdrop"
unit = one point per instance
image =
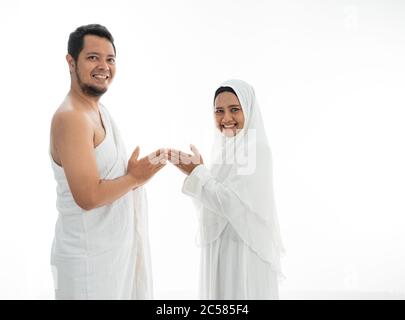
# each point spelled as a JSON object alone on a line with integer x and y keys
{"x": 329, "y": 76}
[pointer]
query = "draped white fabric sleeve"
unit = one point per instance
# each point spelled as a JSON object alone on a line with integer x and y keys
{"x": 215, "y": 196}
{"x": 224, "y": 202}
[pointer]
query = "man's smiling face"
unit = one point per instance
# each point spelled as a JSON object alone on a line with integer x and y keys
{"x": 95, "y": 66}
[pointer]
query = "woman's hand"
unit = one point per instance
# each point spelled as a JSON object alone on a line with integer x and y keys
{"x": 184, "y": 161}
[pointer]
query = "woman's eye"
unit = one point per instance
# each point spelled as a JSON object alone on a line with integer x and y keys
{"x": 235, "y": 109}
{"x": 219, "y": 111}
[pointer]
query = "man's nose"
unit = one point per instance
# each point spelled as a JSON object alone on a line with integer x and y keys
{"x": 103, "y": 65}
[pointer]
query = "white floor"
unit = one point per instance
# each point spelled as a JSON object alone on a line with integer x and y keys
{"x": 303, "y": 295}
{"x": 341, "y": 295}
{"x": 284, "y": 295}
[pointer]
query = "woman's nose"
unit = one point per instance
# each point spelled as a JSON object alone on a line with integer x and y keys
{"x": 227, "y": 117}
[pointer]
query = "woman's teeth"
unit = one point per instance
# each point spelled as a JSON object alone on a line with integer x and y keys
{"x": 229, "y": 126}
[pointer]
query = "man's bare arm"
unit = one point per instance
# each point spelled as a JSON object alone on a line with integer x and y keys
{"x": 73, "y": 138}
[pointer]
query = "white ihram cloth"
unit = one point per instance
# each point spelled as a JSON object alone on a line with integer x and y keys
{"x": 102, "y": 253}
{"x": 238, "y": 226}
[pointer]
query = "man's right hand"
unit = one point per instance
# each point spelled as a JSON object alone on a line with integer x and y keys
{"x": 142, "y": 170}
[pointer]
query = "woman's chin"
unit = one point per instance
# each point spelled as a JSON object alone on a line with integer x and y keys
{"x": 229, "y": 133}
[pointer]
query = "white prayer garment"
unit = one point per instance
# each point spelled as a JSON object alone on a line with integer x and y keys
{"x": 102, "y": 253}
{"x": 238, "y": 226}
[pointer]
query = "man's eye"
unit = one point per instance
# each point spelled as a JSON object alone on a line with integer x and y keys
{"x": 112, "y": 61}
{"x": 92, "y": 58}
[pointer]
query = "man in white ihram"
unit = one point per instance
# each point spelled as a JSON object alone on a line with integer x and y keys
{"x": 100, "y": 249}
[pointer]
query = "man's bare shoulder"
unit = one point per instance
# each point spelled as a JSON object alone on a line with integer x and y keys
{"x": 67, "y": 117}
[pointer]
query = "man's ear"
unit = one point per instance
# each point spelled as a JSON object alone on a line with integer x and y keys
{"x": 71, "y": 62}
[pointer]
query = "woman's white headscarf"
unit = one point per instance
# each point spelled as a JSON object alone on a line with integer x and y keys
{"x": 243, "y": 163}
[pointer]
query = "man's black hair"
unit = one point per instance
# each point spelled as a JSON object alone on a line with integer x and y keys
{"x": 76, "y": 38}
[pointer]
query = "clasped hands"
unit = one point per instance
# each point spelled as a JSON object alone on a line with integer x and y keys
{"x": 142, "y": 170}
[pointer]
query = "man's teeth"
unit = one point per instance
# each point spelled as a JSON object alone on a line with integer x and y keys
{"x": 100, "y": 76}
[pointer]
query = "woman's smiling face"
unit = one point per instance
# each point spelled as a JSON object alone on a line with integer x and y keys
{"x": 229, "y": 116}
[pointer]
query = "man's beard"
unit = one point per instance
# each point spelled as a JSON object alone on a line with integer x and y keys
{"x": 89, "y": 90}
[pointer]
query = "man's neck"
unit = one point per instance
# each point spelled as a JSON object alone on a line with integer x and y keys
{"x": 87, "y": 101}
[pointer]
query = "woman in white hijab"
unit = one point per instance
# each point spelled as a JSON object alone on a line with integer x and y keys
{"x": 238, "y": 225}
